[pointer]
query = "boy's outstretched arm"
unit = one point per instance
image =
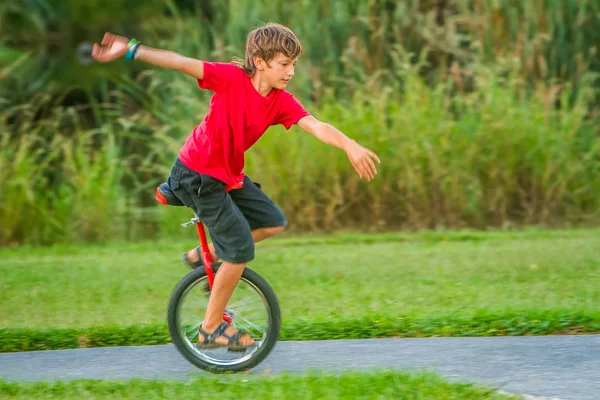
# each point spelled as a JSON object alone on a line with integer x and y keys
{"x": 114, "y": 46}
{"x": 362, "y": 159}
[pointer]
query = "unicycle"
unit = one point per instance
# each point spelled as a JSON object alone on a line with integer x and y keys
{"x": 253, "y": 307}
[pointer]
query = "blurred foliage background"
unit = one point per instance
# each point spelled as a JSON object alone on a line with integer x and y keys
{"x": 485, "y": 114}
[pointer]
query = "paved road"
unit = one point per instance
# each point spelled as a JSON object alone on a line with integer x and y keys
{"x": 565, "y": 367}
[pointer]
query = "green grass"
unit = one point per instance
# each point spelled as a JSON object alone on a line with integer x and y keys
{"x": 343, "y": 286}
{"x": 378, "y": 385}
{"x": 424, "y": 278}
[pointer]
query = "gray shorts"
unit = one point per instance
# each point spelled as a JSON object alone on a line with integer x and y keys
{"x": 229, "y": 216}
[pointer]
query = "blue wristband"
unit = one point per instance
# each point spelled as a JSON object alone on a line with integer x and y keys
{"x": 133, "y": 46}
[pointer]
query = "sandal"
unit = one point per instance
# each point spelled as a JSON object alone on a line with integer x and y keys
{"x": 233, "y": 341}
{"x": 193, "y": 264}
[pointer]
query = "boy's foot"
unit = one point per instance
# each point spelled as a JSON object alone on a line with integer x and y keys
{"x": 224, "y": 336}
{"x": 193, "y": 258}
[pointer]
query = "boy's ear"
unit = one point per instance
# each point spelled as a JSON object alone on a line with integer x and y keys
{"x": 259, "y": 63}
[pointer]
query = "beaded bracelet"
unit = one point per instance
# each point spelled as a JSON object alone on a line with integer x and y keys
{"x": 132, "y": 48}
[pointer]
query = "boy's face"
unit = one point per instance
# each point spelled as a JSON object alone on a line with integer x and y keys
{"x": 279, "y": 70}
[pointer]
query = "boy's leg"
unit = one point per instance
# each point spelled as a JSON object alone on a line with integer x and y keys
{"x": 223, "y": 286}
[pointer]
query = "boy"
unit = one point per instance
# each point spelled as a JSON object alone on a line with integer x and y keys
{"x": 208, "y": 173}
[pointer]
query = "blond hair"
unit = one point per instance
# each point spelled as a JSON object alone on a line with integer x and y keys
{"x": 265, "y": 42}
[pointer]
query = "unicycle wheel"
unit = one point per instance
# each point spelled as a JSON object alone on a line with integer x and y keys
{"x": 253, "y": 307}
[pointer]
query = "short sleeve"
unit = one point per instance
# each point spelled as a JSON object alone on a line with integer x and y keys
{"x": 217, "y": 76}
{"x": 290, "y": 112}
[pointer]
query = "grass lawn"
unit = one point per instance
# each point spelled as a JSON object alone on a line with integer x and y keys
{"x": 343, "y": 277}
{"x": 379, "y": 385}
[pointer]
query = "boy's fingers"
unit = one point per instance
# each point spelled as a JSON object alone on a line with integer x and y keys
{"x": 367, "y": 169}
{"x": 372, "y": 166}
{"x": 367, "y": 173}
{"x": 106, "y": 39}
{"x": 368, "y": 166}
{"x": 361, "y": 172}
{"x": 97, "y": 52}
{"x": 374, "y": 156}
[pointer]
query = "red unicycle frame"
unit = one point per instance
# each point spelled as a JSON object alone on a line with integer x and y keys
{"x": 206, "y": 259}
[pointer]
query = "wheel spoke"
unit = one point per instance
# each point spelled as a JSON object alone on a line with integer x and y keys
{"x": 248, "y": 325}
{"x": 242, "y": 304}
{"x": 192, "y": 331}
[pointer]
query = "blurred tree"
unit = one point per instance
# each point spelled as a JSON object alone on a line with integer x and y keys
{"x": 47, "y": 44}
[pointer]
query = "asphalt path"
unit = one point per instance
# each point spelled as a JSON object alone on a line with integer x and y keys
{"x": 562, "y": 367}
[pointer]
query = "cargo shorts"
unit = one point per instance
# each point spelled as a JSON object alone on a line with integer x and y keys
{"x": 230, "y": 217}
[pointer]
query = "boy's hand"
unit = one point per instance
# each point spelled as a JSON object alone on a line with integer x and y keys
{"x": 114, "y": 46}
{"x": 363, "y": 160}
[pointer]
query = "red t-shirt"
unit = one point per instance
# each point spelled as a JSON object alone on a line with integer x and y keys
{"x": 237, "y": 117}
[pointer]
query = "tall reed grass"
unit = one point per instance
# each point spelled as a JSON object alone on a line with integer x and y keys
{"x": 495, "y": 157}
{"x": 482, "y": 115}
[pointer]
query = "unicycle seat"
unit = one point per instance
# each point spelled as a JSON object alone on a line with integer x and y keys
{"x": 166, "y": 196}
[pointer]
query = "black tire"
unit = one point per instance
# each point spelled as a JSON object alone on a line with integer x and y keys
{"x": 266, "y": 346}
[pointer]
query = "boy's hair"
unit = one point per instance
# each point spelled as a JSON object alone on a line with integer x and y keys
{"x": 266, "y": 41}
